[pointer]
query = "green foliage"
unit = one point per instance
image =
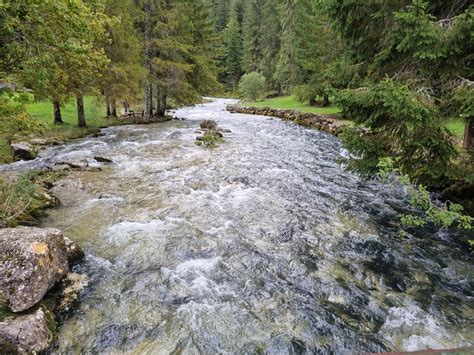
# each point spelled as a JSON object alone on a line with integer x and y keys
{"x": 22, "y": 199}
{"x": 446, "y": 215}
{"x": 401, "y": 123}
{"x": 209, "y": 140}
{"x": 13, "y": 116}
{"x": 124, "y": 74}
{"x": 232, "y": 57}
{"x": 252, "y": 34}
{"x": 252, "y": 86}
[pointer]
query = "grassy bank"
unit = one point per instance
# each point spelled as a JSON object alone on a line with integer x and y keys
{"x": 455, "y": 125}
{"x": 290, "y": 103}
{"x": 43, "y": 110}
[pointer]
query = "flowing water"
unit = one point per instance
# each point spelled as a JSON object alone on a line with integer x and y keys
{"x": 262, "y": 245}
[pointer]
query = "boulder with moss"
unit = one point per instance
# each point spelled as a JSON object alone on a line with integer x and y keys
{"x": 32, "y": 261}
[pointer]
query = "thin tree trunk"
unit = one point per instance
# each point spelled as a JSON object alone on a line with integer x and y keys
{"x": 125, "y": 106}
{"x": 147, "y": 104}
{"x": 107, "y": 103}
{"x": 468, "y": 142}
{"x": 81, "y": 116}
{"x": 326, "y": 101}
{"x": 57, "y": 112}
{"x": 114, "y": 108}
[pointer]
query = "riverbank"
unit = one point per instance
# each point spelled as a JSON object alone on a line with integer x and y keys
{"x": 323, "y": 123}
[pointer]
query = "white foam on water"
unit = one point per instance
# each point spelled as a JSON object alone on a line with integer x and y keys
{"x": 410, "y": 328}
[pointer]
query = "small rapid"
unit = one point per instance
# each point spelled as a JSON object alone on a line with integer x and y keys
{"x": 264, "y": 244}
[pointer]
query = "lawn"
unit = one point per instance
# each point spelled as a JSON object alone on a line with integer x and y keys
{"x": 95, "y": 112}
{"x": 456, "y": 127}
{"x": 290, "y": 103}
{"x": 95, "y": 117}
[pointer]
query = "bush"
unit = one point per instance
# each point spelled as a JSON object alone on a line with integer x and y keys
{"x": 401, "y": 123}
{"x": 13, "y": 116}
{"x": 252, "y": 86}
{"x": 23, "y": 199}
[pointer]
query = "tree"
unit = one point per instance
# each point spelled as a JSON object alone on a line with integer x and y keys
{"x": 232, "y": 58}
{"x": 425, "y": 50}
{"x": 252, "y": 86}
{"x": 124, "y": 73}
{"x": 252, "y": 35}
{"x": 288, "y": 72}
{"x": 56, "y": 42}
{"x": 270, "y": 42}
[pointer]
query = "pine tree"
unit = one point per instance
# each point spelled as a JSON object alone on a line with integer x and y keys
{"x": 252, "y": 35}
{"x": 270, "y": 42}
{"x": 288, "y": 72}
{"x": 124, "y": 72}
{"x": 232, "y": 58}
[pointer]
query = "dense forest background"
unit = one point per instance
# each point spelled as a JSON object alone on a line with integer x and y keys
{"x": 399, "y": 70}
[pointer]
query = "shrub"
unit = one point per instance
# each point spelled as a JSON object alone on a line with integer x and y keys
{"x": 252, "y": 86}
{"x": 13, "y": 116}
{"x": 401, "y": 123}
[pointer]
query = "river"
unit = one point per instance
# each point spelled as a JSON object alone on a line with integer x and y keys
{"x": 264, "y": 244}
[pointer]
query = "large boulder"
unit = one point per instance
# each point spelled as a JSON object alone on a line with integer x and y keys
{"x": 208, "y": 124}
{"x": 23, "y": 151}
{"x": 32, "y": 261}
{"x": 27, "y": 333}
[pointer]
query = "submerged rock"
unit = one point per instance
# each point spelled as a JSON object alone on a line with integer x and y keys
{"x": 72, "y": 285}
{"x": 32, "y": 261}
{"x": 23, "y": 151}
{"x": 28, "y": 333}
{"x": 74, "y": 253}
{"x": 103, "y": 159}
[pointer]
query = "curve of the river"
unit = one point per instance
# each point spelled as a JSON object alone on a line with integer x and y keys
{"x": 262, "y": 245}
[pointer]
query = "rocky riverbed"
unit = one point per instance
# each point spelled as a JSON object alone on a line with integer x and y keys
{"x": 263, "y": 244}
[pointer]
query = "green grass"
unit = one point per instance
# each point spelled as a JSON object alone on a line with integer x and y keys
{"x": 95, "y": 112}
{"x": 290, "y": 103}
{"x": 95, "y": 118}
{"x": 456, "y": 127}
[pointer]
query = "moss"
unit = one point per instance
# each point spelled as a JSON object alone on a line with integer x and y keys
{"x": 209, "y": 140}
{"x": 24, "y": 199}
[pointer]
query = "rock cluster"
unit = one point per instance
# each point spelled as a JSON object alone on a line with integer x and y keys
{"x": 321, "y": 123}
{"x": 32, "y": 262}
{"x": 211, "y": 134}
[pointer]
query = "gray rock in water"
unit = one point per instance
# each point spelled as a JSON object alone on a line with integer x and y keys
{"x": 72, "y": 286}
{"x": 32, "y": 261}
{"x": 74, "y": 253}
{"x": 39, "y": 141}
{"x": 208, "y": 124}
{"x": 103, "y": 159}
{"x": 29, "y": 333}
{"x": 23, "y": 151}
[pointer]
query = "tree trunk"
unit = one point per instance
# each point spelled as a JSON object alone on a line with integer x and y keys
{"x": 148, "y": 103}
{"x": 312, "y": 101}
{"x": 125, "y": 106}
{"x": 107, "y": 103}
{"x": 57, "y": 112}
{"x": 326, "y": 101}
{"x": 114, "y": 108}
{"x": 160, "y": 102}
{"x": 81, "y": 116}
{"x": 468, "y": 142}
